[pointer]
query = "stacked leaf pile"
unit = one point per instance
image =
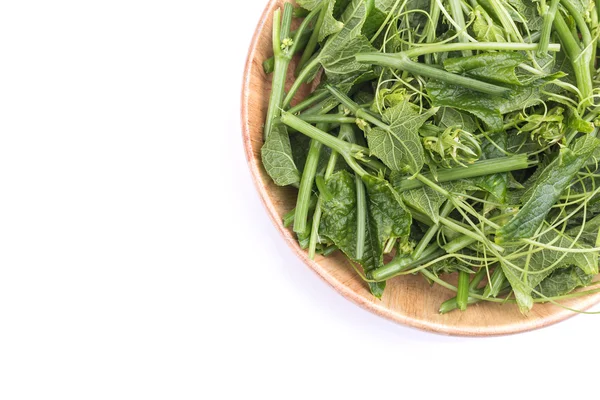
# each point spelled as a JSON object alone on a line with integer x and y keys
{"x": 453, "y": 135}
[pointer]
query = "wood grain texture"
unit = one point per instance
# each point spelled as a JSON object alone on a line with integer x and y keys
{"x": 408, "y": 300}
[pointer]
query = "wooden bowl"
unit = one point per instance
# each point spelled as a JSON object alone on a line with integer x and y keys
{"x": 408, "y": 300}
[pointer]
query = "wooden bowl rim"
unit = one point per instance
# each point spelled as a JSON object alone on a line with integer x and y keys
{"x": 254, "y": 164}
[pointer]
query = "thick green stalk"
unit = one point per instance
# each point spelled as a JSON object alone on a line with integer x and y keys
{"x": 580, "y": 65}
{"x": 306, "y": 185}
{"x": 452, "y": 224}
{"x": 429, "y": 33}
{"x": 282, "y": 52}
{"x": 502, "y": 15}
{"x": 399, "y": 264}
{"x": 269, "y": 63}
{"x": 344, "y": 148}
{"x": 316, "y": 222}
{"x": 452, "y": 304}
{"x": 586, "y": 36}
{"x": 458, "y": 244}
{"x": 485, "y": 46}
{"x": 314, "y": 38}
{"x": 462, "y": 299}
{"x": 462, "y": 294}
{"x": 347, "y": 150}
{"x": 478, "y": 168}
{"x": 495, "y": 284}
{"x": 279, "y": 74}
{"x": 288, "y": 217}
{"x": 459, "y": 18}
{"x": 304, "y": 104}
{"x": 361, "y": 199}
{"x": 302, "y": 77}
{"x": 547, "y": 27}
{"x": 328, "y": 118}
{"x": 401, "y": 62}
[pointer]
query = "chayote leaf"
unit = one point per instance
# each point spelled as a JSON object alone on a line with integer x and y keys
{"x": 552, "y": 181}
{"x": 330, "y": 24}
{"x": 542, "y": 263}
{"x": 386, "y": 218}
{"x": 489, "y": 67}
{"x": 277, "y": 157}
{"x": 562, "y": 281}
{"x": 399, "y": 146}
{"x": 488, "y": 108}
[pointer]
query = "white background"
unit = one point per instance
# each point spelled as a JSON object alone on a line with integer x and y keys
{"x": 136, "y": 260}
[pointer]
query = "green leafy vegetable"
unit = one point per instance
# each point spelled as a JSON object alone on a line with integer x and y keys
{"x": 443, "y": 138}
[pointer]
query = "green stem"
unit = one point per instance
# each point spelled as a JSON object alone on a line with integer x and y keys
{"x": 450, "y": 223}
{"x": 401, "y": 62}
{"x": 431, "y": 232}
{"x": 495, "y": 284}
{"x": 462, "y": 293}
{"x": 478, "y": 168}
{"x": 459, "y": 18}
{"x": 344, "y": 148}
{"x": 452, "y": 304}
{"x": 547, "y": 27}
{"x": 448, "y": 47}
{"x": 300, "y": 41}
{"x": 302, "y": 77}
{"x": 306, "y": 185}
{"x": 586, "y": 36}
{"x": 316, "y": 222}
{"x": 582, "y": 72}
{"x": 279, "y": 75}
{"x": 355, "y": 108}
{"x": 304, "y": 104}
{"x": 361, "y": 199}
{"x": 400, "y": 264}
{"x": 458, "y": 244}
{"x": 328, "y": 118}
{"x": 503, "y": 17}
{"x": 314, "y": 38}
{"x": 430, "y": 29}
{"x": 461, "y": 301}
{"x": 288, "y": 217}
{"x": 286, "y": 21}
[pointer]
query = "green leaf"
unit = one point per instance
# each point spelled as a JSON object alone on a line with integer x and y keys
{"x": 562, "y": 281}
{"x": 484, "y": 27}
{"x": 542, "y": 263}
{"x": 387, "y": 209}
{"x": 386, "y": 218}
{"x": 539, "y": 199}
{"x": 330, "y": 24}
{"x": 337, "y": 55}
{"x": 429, "y": 202}
{"x": 277, "y": 157}
{"x": 339, "y": 224}
{"x": 489, "y": 67}
{"x": 376, "y": 16}
{"x": 399, "y": 146}
{"x": 525, "y": 12}
{"x": 451, "y": 118}
{"x": 488, "y": 108}
{"x": 340, "y": 62}
{"x": 589, "y": 234}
